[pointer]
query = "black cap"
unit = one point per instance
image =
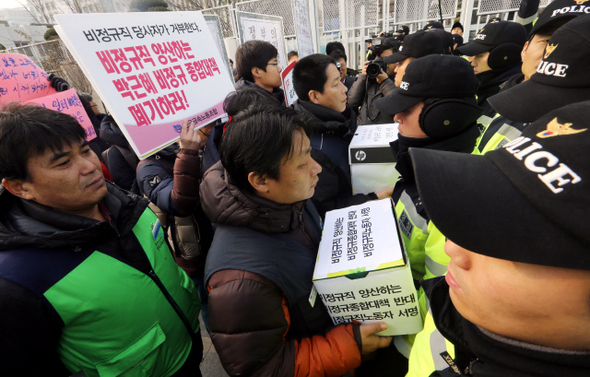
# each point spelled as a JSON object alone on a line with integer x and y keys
{"x": 457, "y": 24}
{"x": 457, "y": 39}
{"x": 433, "y": 25}
{"x": 433, "y": 76}
{"x": 446, "y": 37}
{"x": 390, "y": 43}
{"x": 562, "y": 77}
{"x": 558, "y": 10}
{"x": 403, "y": 29}
{"x": 526, "y": 202}
{"x": 417, "y": 45}
{"x": 492, "y": 35}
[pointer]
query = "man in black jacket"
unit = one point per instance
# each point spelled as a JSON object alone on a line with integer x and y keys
{"x": 316, "y": 80}
{"x": 258, "y": 67}
{"x": 367, "y": 89}
{"x": 261, "y": 261}
{"x": 87, "y": 283}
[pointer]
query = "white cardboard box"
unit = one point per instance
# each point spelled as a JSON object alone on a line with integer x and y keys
{"x": 372, "y": 163}
{"x": 362, "y": 272}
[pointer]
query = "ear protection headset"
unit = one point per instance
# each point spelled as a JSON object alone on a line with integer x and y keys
{"x": 448, "y": 117}
{"x": 504, "y": 55}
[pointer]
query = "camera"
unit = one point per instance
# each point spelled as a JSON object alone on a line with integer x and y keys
{"x": 374, "y": 68}
{"x": 376, "y": 48}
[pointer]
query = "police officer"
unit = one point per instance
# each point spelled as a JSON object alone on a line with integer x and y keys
{"x": 533, "y": 94}
{"x": 435, "y": 107}
{"x": 494, "y": 54}
{"x": 515, "y": 299}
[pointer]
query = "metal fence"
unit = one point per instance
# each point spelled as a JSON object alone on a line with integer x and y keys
{"x": 54, "y": 57}
{"x": 348, "y": 21}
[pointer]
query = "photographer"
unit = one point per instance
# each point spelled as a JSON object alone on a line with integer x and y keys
{"x": 375, "y": 81}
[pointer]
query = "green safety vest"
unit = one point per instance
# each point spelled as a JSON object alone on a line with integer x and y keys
{"x": 430, "y": 348}
{"x": 414, "y": 231}
{"x": 120, "y": 321}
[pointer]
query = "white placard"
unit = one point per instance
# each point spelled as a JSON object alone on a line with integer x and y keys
{"x": 302, "y": 28}
{"x": 358, "y": 238}
{"x": 152, "y": 69}
{"x": 253, "y": 26}
{"x": 287, "y": 79}
{"x": 217, "y": 33}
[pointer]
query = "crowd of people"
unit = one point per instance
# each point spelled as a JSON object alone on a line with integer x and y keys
{"x": 107, "y": 261}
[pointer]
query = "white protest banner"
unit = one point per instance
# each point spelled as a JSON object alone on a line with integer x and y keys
{"x": 217, "y": 33}
{"x": 153, "y": 70}
{"x": 302, "y": 27}
{"x": 262, "y": 27}
{"x": 287, "y": 79}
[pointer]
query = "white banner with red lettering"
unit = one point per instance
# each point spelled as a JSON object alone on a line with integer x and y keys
{"x": 152, "y": 69}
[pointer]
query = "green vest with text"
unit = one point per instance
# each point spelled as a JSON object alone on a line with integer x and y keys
{"x": 120, "y": 321}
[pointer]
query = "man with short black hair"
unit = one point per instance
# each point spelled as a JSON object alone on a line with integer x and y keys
{"x": 260, "y": 265}
{"x": 258, "y": 67}
{"x": 334, "y": 45}
{"x": 316, "y": 80}
{"x": 292, "y": 56}
{"x": 87, "y": 282}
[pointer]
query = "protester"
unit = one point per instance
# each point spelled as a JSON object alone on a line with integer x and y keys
{"x": 88, "y": 284}
{"x": 366, "y": 90}
{"x": 98, "y": 145}
{"x": 515, "y": 299}
{"x": 258, "y": 67}
{"x": 120, "y": 159}
{"x": 292, "y": 56}
{"x": 233, "y": 104}
{"x": 260, "y": 264}
{"x": 317, "y": 83}
{"x": 170, "y": 180}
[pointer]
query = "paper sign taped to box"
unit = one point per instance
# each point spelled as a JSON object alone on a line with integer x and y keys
{"x": 362, "y": 273}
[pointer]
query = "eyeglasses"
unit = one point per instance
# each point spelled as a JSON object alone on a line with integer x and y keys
{"x": 338, "y": 65}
